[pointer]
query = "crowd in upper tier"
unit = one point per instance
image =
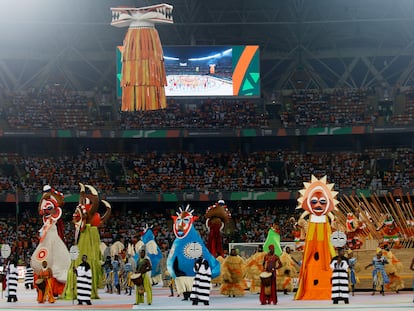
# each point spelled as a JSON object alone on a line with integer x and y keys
{"x": 53, "y": 107}
{"x": 382, "y": 169}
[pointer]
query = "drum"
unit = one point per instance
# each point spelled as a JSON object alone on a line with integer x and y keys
{"x": 41, "y": 284}
{"x": 136, "y": 278}
{"x": 266, "y": 278}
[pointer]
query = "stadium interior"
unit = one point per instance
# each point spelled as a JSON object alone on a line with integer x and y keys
{"x": 336, "y": 99}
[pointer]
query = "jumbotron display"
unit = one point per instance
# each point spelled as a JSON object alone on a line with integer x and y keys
{"x": 206, "y": 71}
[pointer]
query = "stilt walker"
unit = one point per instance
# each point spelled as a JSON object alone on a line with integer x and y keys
{"x": 318, "y": 201}
{"x": 143, "y": 73}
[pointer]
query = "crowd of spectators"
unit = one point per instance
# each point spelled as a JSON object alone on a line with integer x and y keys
{"x": 279, "y": 170}
{"x": 318, "y": 109}
{"x": 53, "y": 107}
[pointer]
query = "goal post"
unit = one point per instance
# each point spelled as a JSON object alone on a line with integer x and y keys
{"x": 245, "y": 250}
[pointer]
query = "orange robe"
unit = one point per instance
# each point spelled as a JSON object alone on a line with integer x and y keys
{"x": 47, "y": 292}
{"x": 315, "y": 272}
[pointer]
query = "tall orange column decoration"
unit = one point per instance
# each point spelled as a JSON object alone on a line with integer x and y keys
{"x": 318, "y": 201}
{"x": 143, "y": 73}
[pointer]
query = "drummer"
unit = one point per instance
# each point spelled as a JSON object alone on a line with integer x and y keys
{"x": 144, "y": 268}
{"x": 270, "y": 264}
{"x": 44, "y": 284}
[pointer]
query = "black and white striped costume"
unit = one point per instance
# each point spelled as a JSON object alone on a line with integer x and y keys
{"x": 202, "y": 282}
{"x": 12, "y": 279}
{"x": 29, "y": 278}
{"x": 84, "y": 283}
{"x": 340, "y": 279}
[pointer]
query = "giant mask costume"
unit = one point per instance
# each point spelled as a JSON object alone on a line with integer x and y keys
{"x": 217, "y": 215}
{"x": 186, "y": 248}
{"x": 143, "y": 73}
{"x": 86, "y": 220}
{"x": 51, "y": 247}
{"x": 318, "y": 201}
{"x": 153, "y": 252}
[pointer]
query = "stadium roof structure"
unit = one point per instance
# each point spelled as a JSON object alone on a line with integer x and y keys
{"x": 304, "y": 44}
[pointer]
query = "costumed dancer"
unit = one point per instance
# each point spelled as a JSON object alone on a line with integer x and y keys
{"x": 187, "y": 246}
{"x": 393, "y": 270}
{"x": 340, "y": 278}
{"x": 218, "y": 280}
{"x": 202, "y": 282}
{"x": 318, "y": 200}
{"x": 391, "y": 232}
{"x": 44, "y": 284}
{"x": 143, "y": 73}
{"x": 117, "y": 251}
{"x": 144, "y": 269}
{"x": 108, "y": 274}
{"x": 353, "y": 232}
{"x": 29, "y": 277}
{"x": 353, "y": 279}
{"x": 169, "y": 282}
{"x": 268, "y": 291}
{"x": 233, "y": 273}
{"x": 83, "y": 281}
{"x": 217, "y": 215}
{"x": 254, "y": 266}
{"x": 299, "y": 233}
{"x": 289, "y": 264}
{"x": 273, "y": 238}
{"x": 154, "y": 253}
{"x": 116, "y": 269}
{"x": 128, "y": 270}
{"x": 379, "y": 276}
{"x": 12, "y": 280}
{"x": 51, "y": 245}
{"x": 86, "y": 220}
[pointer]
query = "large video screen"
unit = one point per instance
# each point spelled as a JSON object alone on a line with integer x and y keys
{"x": 206, "y": 71}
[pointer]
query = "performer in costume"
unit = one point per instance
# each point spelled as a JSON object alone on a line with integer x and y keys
{"x": 109, "y": 274}
{"x": 217, "y": 215}
{"x": 379, "y": 276}
{"x": 116, "y": 269}
{"x": 128, "y": 271}
{"x": 187, "y": 246}
{"x": 268, "y": 291}
{"x": 218, "y": 279}
{"x": 288, "y": 271}
{"x": 83, "y": 281}
{"x": 143, "y": 73}
{"x": 393, "y": 270}
{"x": 352, "y": 261}
{"x": 202, "y": 282}
{"x": 353, "y": 232}
{"x": 254, "y": 266}
{"x": 299, "y": 233}
{"x": 318, "y": 200}
{"x": 45, "y": 289}
{"x": 12, "y": 280}
{"x": 29, "y": 277}
{"x": 154, "y": 253}
{"x": 144, "y": 268}
{"x": 233, "y": 273}
{"x": 86, "y": 220}
{"x": 340, "y": 278}
{"x": 273, "y": 238}
{"x": 391, "y": 232}
{"x": 51, "y": 246}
